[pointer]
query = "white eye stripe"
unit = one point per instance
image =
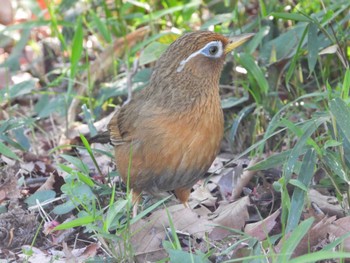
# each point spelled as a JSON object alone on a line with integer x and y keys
{"x": 204, "y": 51}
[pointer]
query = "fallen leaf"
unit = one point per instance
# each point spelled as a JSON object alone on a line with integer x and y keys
{"x": 328, "y": 204}
{"x": 318, "y": 232}
{"x": 148, "y": 234}
{"x": 339, "y": 228}
{"x": 202, "y": 195}
{"x": 261, "y": 229}
{"x": 230, "y": 215}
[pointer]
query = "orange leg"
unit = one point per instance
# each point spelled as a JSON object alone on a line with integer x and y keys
{"x": 135, "y": 198}
{"x": 183, "y": 194}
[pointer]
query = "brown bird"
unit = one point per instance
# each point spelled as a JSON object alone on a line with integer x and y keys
{"x": 167, "y": 137}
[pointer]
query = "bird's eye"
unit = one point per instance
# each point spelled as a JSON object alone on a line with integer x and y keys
{"x": 213, "y": 50}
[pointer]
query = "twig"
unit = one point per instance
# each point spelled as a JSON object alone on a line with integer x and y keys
{"x": 129, "y": 76}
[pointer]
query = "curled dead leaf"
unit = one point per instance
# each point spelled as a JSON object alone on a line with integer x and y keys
{"x": 230, "y": 215}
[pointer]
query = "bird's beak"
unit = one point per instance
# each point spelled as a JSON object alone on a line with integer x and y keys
{"x": 236, "y": 41}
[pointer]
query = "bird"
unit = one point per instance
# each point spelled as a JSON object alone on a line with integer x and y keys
{"x": 168, "y": 135}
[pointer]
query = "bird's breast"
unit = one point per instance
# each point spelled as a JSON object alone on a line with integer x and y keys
{"x": 175, "y": 150}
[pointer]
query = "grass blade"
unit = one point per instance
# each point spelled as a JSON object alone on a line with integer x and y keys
{"x": 298, "y": 197}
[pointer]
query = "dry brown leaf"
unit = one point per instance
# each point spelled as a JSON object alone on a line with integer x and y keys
{"x": 151, "y": 232}
{"x": 321, "y": 234}
{"x": 339, "y": 228}
{"x": 48, "y": 185}
{"x": 8, "y": 183}
{"x": 200, "y": 210}
{"x": 38, "y": 255}
{"x": 217, "y": 165}
{"x": 245, "y": 178}
{"x": 261, "y": 229}
{"x": 70, "y": 255}
{"x": 328, "y": 204}
{"x": 226, "y": 183}
{"x": 202, "y": 195}
{"x": 231, "y": 215}
{"x": 317, "y": 233}
{"x": 70, "y": 258}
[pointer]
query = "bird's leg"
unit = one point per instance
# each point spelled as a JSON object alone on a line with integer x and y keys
{"x": 183, "y": 194}
{"x": 135, "y": 198}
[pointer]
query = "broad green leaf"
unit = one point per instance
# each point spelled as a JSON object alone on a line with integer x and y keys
{"x": 64, "y": 208}
{"x": 22, "y": 88}
{"x": 88, "y": 148}
{"x": 333, "y": 161}
{"x": 78, "y": 163}
{"x": 346, "y": 85}
{"x": 46, "y": 106}
{"x": 289, "y": 16}
{"x": 86, "y": 179}
{"x": 240, "y": 116}
{"x": 21, "y": 138}
{"x": 152, "y": 52}
{"x": 40, "y": 196}
{"x": 163, "y": 38}
{"x": 272, "y": 161}
{"x": 304, "y": 178}
{"x": 321, "y": 256}
{"x": 256, "y": 41}
{"x": 284, "y": 45}
{"x": 101, "y": 27}
{"x": 232, "y": 102}
{"x": 18, "y": 89}
{"x": 113, "y": 210}
{"x": 308, "y": 129}
{"x": 295, "y": 58}
{"x": 218, "y": 19}
{"x": 331, "y": 143}
{"x": 341, "y": 112}
{"x": 12, "y": 62}
{"x": 174, "y": 237}
{"x": 298, "y": 184}
{"x": 158, "y": 14}
{"x": 248, "y": 62}
{"x": 312, "y": 47}
{"x": 82, "y": 192}
{"x": 180, "y": 256}
{"x": 77, "y": 48}
{"x": 89, "y": 119}
{"x": 275, "y": 121}
{"x": 294, "y": 239}
{"x": 77, "y": 222}
{"x": 262, "y": 8}
{"x": 142, "y": 75}
{"x": 8, "y": 152}
{"x": 335, "y": 243}
{"x": 327, "y": 16}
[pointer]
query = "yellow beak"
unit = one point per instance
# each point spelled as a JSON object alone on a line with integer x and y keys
{"x": 236, "y": 41}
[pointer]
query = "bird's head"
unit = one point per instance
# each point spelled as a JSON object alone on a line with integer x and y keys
{"x": 199, "y": 55}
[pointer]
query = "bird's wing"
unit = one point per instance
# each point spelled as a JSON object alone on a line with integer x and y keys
{"x": 121, "y": 126}
{"x": 133, "y": 119}
{"x": 113, "y": 128}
